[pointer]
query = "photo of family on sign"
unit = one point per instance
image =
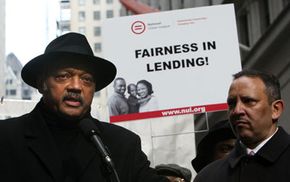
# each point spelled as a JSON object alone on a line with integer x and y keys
{"x": 140, "y": 97}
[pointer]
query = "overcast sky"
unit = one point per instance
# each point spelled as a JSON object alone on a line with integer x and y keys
{"x": 30, "y": 25}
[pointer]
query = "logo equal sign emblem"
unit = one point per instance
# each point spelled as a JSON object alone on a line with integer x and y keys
{"x": 138, "y": 27}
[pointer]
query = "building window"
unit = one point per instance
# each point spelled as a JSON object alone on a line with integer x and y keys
{"x": 286, "y": 2}
{"x": 26, "y": 92}
{"x": 98, "y": 47}
{"x": 97, "y": 94}
{"x": 65, "y": 28}
{"x": 97, "y": 31}
{"x": 9, "y": 82}
{"x": 109, "y": 1}
{"x": 82, "y": 30}
{"x": 97, "y": 15}
{"x": 82, "y": 2}
{"x": 244, "y": 29}
{"x": 264, "y": 15}
{"x": 110, "y": 14}
{"x": 12, "y": 92}
{"x": 96, "y": 1}
{"x": 82, "y": 16}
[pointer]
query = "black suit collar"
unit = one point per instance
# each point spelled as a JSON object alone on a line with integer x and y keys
{"x": 270, "y": 152}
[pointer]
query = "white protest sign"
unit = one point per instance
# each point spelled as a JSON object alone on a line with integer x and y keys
{"x": 187, "y": 55}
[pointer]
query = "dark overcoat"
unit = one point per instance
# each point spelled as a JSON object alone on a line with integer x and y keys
{"x": 28, "y": 153}
{"x": 270, "y": 164}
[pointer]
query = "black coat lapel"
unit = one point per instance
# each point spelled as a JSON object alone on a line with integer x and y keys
{"x": 43, "y": 147}
{"x": 85, "y": 154}
{"x": 90, "y": 161}
{"x": 40, "y": 142}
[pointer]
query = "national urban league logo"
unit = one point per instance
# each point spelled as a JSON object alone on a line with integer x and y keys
{"x": 138, "y": 27}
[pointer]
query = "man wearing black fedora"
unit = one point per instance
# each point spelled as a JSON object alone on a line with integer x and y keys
{"x": 59, "y": 140}
{"x": 217, "y": 144}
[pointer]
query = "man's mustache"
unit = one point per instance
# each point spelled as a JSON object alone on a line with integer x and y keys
{"x": 73, "y": 96}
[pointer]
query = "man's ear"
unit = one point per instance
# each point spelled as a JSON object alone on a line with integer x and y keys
{"x": 277, "y": 109}
{"x": 41, "y": 86}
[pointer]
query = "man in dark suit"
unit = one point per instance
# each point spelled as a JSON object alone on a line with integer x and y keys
{"x": 262, "y": 152}
{"x": 47, "y": 144}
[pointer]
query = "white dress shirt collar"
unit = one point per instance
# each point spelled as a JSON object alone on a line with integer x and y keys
{"x": 257, "y": 148}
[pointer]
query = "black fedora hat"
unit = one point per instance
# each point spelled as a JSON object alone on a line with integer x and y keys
{"x": 70, "y": 48}
{"x": 219, "y": 132}
{"x": 174, "y": 170}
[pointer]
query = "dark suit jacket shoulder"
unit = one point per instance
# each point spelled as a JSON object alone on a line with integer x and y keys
{"x": 271, "y": 163}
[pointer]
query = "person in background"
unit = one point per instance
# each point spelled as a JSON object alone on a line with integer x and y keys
{"x": 132, "y": 99}
{"x": 147, "y": 100}
{"x": 262, "y": 152}
{"x": 174, "y": 172}
{"x": 57, "y": 140}
{"x": 217, "y": 144}
{"x": 118, "y": 102}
